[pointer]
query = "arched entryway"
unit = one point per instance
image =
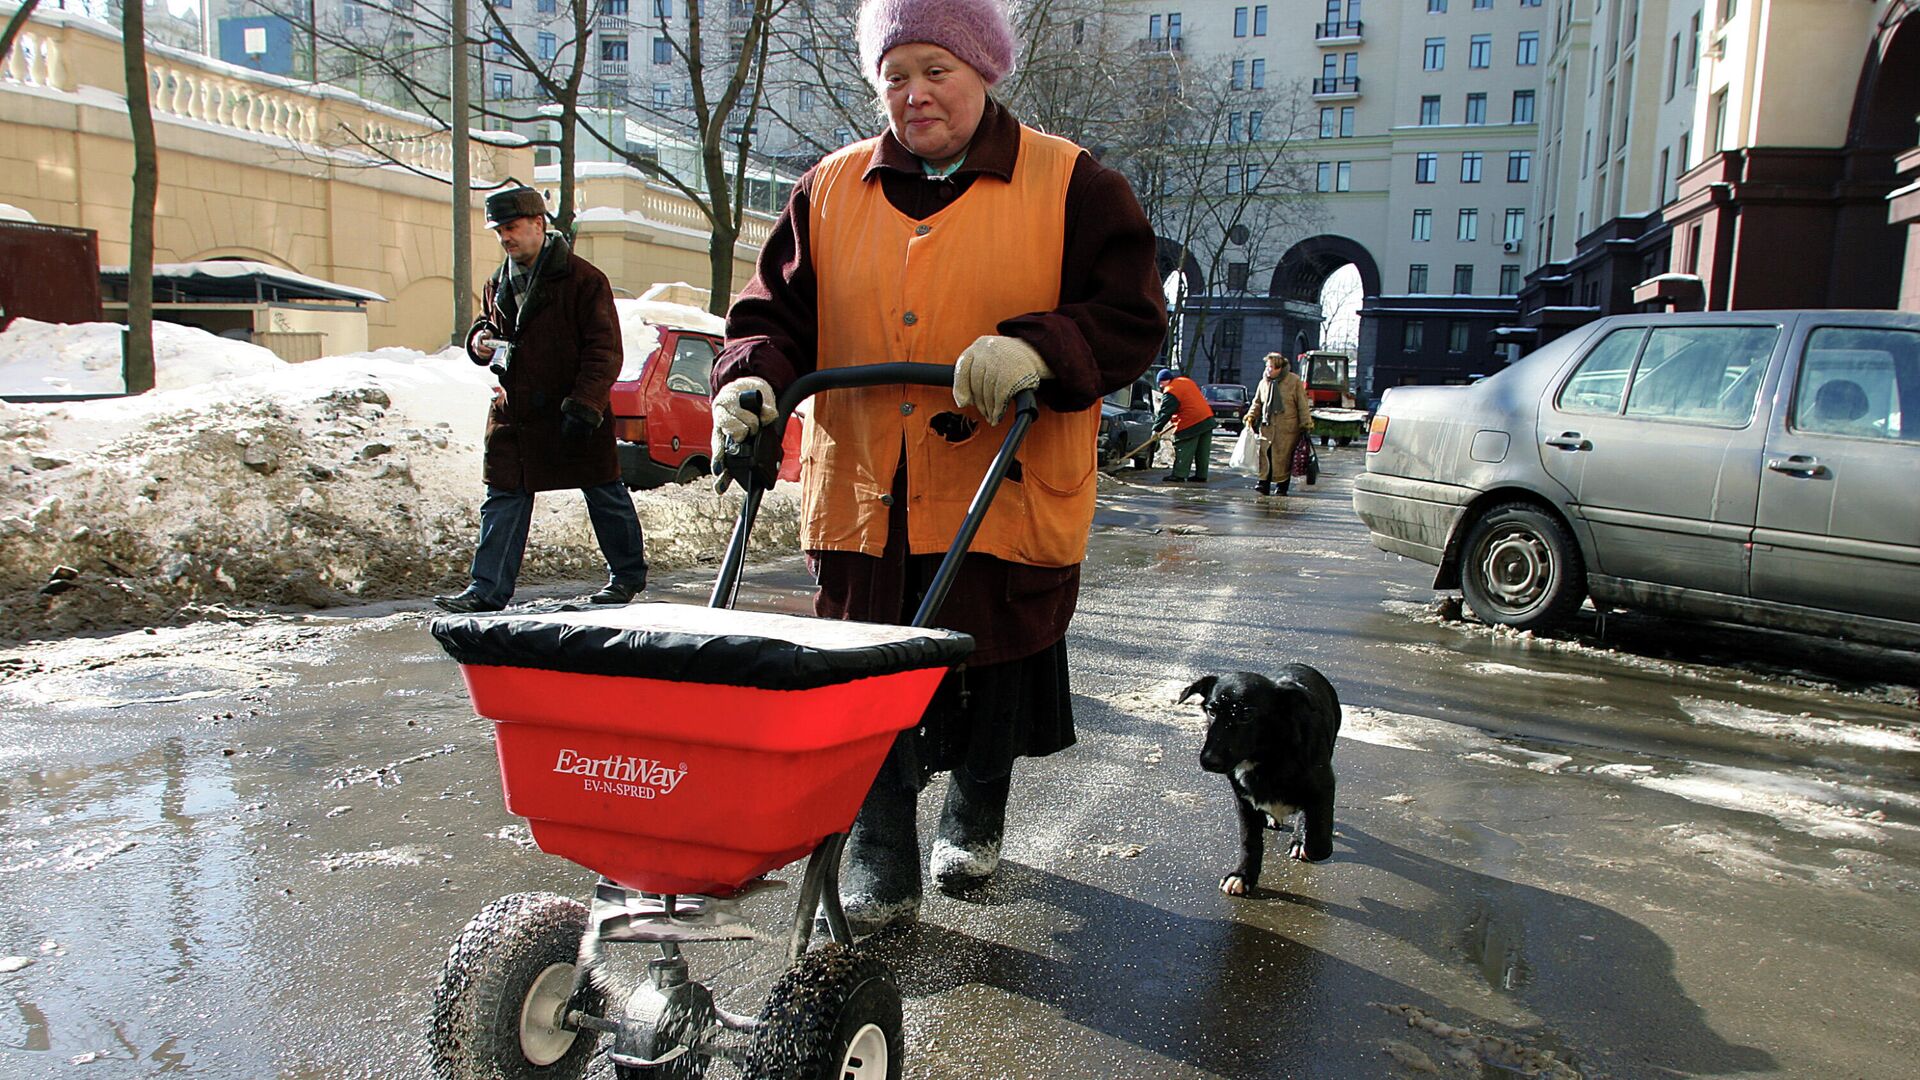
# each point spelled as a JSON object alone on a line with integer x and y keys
{"x": 1326, "y": 282}
{"x": 1873, "y": 251}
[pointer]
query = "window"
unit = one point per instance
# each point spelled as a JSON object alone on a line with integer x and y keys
{"x": 1429, "y": 110}
{"x": 1456, "y": 329}
{"x": 1173, "y": 28}
{"x": 662, "y": 51}
{"x": 1509, "y": 280}
{"x": 613, "y": 50}
{"x": 1480, "y": 51}
{"x": 1482, "y": 4}
{"x": 1665, "y": 163}
{"x": 1254, "y": 123}
{"x": 1343, "y": 176}
{"x": 1422, "y": 225}
{"x": 1238, "y": 80}
{"x": 1350, "y": 67}
{"x": 1469, "y": 229}
{"x": 1260, "y": 20}
{"x": 1239, "y": 22}
{"x": 1426, "y": 168}
{"x": 1229, "y": 335}
{"x": 1519, "y": 166}
{"x": 1717, "y": 120}
{"x": 1470, "y": 163}
{"x": 547, "y": 46}
{"x": 1257, "y": 75}
{"x": 544, "y": 7}
{"x": 1233, "y": 179}
{"x": 352, "y": 14}
{"x": 1686, "y": 149}
{"x": 1673, "y": 67}
{"x": 1586, "y": 155}
{"x": 842, "y": 136}
{"x": 1346, "y": 121}
{"x": 1693, "y": 50}
{"x": 803, "y": 99}
{"x": 1515, "y": 228}
{"x": 1417, "y": 278}
{"x": 1529, "y": 3}
{"x": 1701, "y": 374}
{"x": 1853, "y": 382}
{"x": 662, "y": 94}
{"x": 1476, "y": 108}
{"x": 1435, "y": 57}
{"x": 1326, "y": 122}
{"x": 1528, "y": 54}
{"x": 616, "y": 7}
{"x": 1597, "y": 386}
{"x": 1233, "y": 127}
{"x": 1413, "y": 334}
{"x": 692, "y": 370}
{"x": 1436, "y": 7}
{"x": 1325, "y": 181}
{"x": 663, "y": 9}
{"x": 502, "y": 85}
{"x": 1728, "y": 8}
{"x": 1329, "y": 71}
{"x": 1523, "y": 106}
{"x": 1153, "y": 27}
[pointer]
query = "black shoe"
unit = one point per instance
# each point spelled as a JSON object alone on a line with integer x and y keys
{"x": 1170, "y": 479}
{"x": 880, "y": 877}
{"x": 971, "y": 825}
{"x": 469, "y": 602}
{"x": 1263, "y": 487}
{"x": 1196, "y": 479}
{"x": 617, "y": 592}
{"x": 1280, "y": 489}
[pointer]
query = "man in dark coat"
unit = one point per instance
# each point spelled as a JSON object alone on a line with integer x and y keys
{"x": 550, "y": 332}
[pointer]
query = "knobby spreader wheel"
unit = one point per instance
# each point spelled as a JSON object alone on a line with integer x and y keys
{"x": 503, "y": 993}
{"x": 833, "y": 1016}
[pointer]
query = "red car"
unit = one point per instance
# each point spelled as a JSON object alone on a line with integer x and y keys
{"x": 1229, "y": 401}
{"x": 662, "y": 413}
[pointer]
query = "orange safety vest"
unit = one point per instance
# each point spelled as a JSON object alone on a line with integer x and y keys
{"x": 894, "y": 289}
{"x": 1194, "y": 406}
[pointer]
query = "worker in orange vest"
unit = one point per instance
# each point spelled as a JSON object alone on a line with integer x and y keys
{"x": 1192, "y": 416}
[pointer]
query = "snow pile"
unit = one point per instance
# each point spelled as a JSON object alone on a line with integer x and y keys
{"x": 9, "y": 212}
{"x": 84, "y": 358}
{"x": 346, "y": 478}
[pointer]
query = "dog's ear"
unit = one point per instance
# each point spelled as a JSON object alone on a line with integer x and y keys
{"x": 1202, "y": 686}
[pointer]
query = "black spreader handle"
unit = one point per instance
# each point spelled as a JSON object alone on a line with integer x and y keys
{"x": 726, "y": 585}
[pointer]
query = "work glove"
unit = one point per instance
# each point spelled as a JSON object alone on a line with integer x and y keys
{"x": 992, "y": 370}
{"x": 732, "y": 421}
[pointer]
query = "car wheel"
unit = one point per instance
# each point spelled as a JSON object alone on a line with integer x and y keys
{"x": 692, "y": 469}
{"x": 1521, "y": 568}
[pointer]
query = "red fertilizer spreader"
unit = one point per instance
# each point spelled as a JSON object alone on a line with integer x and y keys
{"x": 684, "y": 753}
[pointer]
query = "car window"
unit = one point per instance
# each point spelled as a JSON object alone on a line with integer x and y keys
{"x": 1599, "y": 384}
{"x": 1701, "y": 374}
{"x": 692, "y": 371}
{"x": 1859, "y": 382}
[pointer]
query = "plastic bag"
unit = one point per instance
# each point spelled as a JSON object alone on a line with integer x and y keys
{"x": 1246, "y": 451}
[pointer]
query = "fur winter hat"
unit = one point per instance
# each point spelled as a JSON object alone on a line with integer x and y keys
{"x": 976, "y": 31}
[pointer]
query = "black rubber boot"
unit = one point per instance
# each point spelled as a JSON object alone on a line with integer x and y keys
{"x": 971, "y": 825}
{"x": 880, "y": 874}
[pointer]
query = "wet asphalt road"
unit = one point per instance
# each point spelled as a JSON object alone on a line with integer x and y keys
{"x": 241, "y": 850}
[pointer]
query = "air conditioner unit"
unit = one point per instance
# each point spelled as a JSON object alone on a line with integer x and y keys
{"x": 1510, "y": 247}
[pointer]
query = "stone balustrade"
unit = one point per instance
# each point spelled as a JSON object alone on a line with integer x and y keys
{"x": 59, "y": 51}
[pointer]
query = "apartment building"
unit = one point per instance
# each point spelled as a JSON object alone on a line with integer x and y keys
{"x": 1725, "y": 154}
{"x": 1422, "y": 134}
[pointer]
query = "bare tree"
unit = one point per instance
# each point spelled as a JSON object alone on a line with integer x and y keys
{"x": 137, "y": 361}
{"x": 20, "y": 16}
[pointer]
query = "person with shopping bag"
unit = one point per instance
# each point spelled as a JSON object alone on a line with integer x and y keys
{"x": 1281, "y": 414}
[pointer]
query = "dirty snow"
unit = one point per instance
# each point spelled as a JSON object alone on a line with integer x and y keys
{"x": 84, "y": 358}
{"x": 1823, "y": 808}
{"x": 247, "y": 482}
{"x": 1801, "y": 728}
{"x": 10, "y": 212}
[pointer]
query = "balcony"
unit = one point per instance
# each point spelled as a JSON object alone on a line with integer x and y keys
{"x": 1331, "y": 88}
{"x": 613, "y": 70}
{"x": 1338, "y": 33}
{"x": 611, "y": 25}
{"x": 1160, "y": 45}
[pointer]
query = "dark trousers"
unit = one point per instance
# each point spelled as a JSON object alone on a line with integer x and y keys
{"x": 506, "y": 516}
{"x": 1193, "y": 448}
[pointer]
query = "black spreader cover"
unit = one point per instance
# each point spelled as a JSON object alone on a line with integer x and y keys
{"x": 683, "y": 643}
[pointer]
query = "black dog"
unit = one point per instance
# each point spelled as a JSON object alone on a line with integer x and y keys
{"x": 1274, "y": 741}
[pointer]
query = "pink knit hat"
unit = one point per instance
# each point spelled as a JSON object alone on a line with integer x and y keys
{"x": 976, "y": 31}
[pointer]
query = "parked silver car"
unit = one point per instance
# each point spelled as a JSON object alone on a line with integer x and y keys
{"x": 1759, "y": 467}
